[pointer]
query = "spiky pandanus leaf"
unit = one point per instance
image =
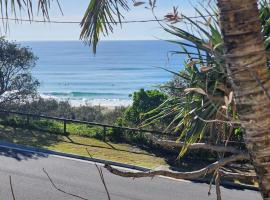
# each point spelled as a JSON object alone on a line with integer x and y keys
{"x": 205, "y": 71}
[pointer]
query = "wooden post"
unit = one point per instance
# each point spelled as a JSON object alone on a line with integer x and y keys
{"x": 65, "y": 127}
{"x": 133, "y": 134}
{"x": 104, "y": 133}
{"x": 27, "y": 120}
{"x": 123, "y": 133}
{"x": 141, "y": 134}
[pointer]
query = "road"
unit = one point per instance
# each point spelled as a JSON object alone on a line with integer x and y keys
{"x": 80, "y": 177}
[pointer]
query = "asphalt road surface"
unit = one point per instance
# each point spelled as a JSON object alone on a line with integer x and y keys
{"x": 81, "y": 178}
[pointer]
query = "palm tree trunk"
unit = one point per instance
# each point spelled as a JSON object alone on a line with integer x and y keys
{"x": 247, "y": 69}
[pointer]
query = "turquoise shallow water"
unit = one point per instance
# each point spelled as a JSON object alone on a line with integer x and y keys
{"x": 69, "y": 70}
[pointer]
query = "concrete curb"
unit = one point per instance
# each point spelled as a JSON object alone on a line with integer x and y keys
{"x": 36, "y": 150}
{"x": 46, "y": 152}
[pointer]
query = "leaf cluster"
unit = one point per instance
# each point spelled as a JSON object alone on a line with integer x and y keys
{"x": 200, "y": 94}
{"x": 16, "y": 81}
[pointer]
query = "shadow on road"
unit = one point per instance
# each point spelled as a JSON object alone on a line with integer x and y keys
{"x": 27, "y": 138}
{"x": 19, "y": 155}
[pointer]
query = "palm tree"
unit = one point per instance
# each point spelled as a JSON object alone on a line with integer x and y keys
{"x": 247, "y": 68}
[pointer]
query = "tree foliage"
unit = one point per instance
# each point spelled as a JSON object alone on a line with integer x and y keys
{"x": 201, "y": 96}
{"x": 143, "y": 102}
{"x": 16, "y": 81}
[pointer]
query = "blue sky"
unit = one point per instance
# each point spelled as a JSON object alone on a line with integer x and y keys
{"x": 74, "y": 10}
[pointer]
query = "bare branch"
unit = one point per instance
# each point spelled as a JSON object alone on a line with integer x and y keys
{"x": 216, "y": 148}
{"x": 221, "y": 121}
{"x": 60, "y": 190}
{"x": 217, "y": 183}
{"x": 210, "y": 185}
{"x": 11, "y": 188}
{"x": 101, "y": 176}
{"x": 243, "y": 176}
{"x": 181, "y": 175}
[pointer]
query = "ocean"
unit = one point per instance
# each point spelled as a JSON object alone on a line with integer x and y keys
{"x": 68, "y": 70}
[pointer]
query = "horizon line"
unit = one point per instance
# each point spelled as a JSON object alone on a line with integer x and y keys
{"x": 55, "y": 40}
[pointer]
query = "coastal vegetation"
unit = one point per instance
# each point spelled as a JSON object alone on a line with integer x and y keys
{"x": 16, "y": 80}
{"x": 229, "y": 80}
{"x": 220, "y": 94}
{"x": 132, "y": 116}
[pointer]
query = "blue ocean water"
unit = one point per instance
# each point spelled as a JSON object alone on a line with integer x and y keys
{"x": 69, "y": 70}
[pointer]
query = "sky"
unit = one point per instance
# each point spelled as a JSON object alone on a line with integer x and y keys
{"x": 74, "y": 10}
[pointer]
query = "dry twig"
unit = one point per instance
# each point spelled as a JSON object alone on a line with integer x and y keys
{"x": 216, "y": 148}
{"x": 60, "y": 190}
{"x": 101, "y": 176}
{"x": 11, "y": 188}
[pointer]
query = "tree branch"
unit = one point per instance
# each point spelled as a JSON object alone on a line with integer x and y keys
{"x": 217, "y": 183}
{"x": 11, "y": 188}
{"x": 243, "y": 176}
{"x": 59, "y": 189}
{"x": 101, "y": 177}
{"x": 181, "y": 175}
{"x": 216, "y": 148}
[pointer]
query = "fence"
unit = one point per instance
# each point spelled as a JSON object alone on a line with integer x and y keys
{"x": 104, "y": 126}
{"x": 65, "y": 121}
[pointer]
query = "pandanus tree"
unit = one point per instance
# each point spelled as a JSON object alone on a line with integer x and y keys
{"x": 246, "y": 68}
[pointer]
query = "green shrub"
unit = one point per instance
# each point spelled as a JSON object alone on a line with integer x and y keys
{"x": 63, "y": 109}
{"x": 84, "y": 130}
{"x": 47, "y": 125}
{"x": 117, "y": 134}
{"x": 143, "y": 102}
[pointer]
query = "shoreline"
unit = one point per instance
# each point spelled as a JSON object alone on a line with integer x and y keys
{"x": 107, "y": 103}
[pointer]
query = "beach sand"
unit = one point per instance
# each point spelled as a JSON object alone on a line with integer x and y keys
{"x": 108, "y": 103}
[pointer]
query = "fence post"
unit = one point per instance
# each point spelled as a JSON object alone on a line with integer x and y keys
{"x": 28, "y": 120}
{"x": 141, "y": 134}
{"x": 65, "y": 127}
{"x": 104, "y": 133}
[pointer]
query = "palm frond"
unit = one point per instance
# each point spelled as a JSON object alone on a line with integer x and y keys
{"x": 100, "y": 17}
{"x": 11, "y": 7}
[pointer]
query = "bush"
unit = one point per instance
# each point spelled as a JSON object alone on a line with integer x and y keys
{"x": 117, "y": 134}
{"x": 47, "y": 125}
{"x": 143, "y": 102}
{"x": 63, "y": 109}
{"x": 85, "y": 130}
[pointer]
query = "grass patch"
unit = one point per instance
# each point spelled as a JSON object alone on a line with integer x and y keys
{"x": 55, "y": 126}
{"x": 76, "y": 144}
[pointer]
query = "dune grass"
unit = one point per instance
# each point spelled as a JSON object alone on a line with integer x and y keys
{"x": 76, "y": 144}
